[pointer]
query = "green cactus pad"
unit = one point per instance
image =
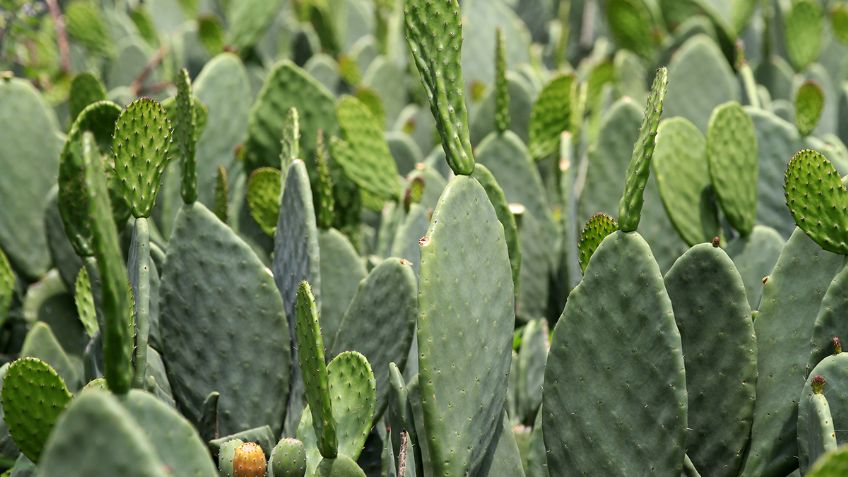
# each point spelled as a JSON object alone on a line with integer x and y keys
{"x": 29, "y": 161}
{"x": 434, "y": 36}
{"x": 118, "y": 447}
{"x": 803, "y": 27}
{"x": 699, "y": 66}
{"x": 720, "y": 353}
{"x": 114, "y": 283}
{"x": 262, "y": 435}
{"x": 630, "y": 208}
{"x": 141, "y": 143}
{"x": 287, "y": 86}
{"x": 632, "y": 25}
{"x": 833, "y": 371}
{"x": 177, "y": 443}
{"x": 85, "y": 89}
{"x": 33, "y": 397}
{"x": 185, "y": 135}
{"x": 816, "y": 435}
{"x": 502, "y": 116}
{"x": 222, "y": 193}
{"x": 226, "y": 454}
{"x": 592, "y": 431}
{"x": 783, "y": 327}
{"x": 734, "y": 168}
{"x": 341, "y": 271}
{"x": 551, "y": 116}
{"x": 41, "y": 343}
{"x": 248, "y": 21}
{"x": 369, "y": 164}
{"x": 288, "y": 459}
{"x": 839, "y": 21}
{"x": 296, "y": 258}
{"x": 86, "y": 24}
{"x": 380, "y": 321}
{"x": 594, "y": 232}
{"x": 531, "y": 368}
{"x": 818, "y": 200}
{"x": 342, "y": 466}
{"x": 264, "y": 189}
{"x": 463, "y": 263}
{"x": 7, "y": 286}
{"x": 829, "y": 322}
{"x": 683, "y": 179}
{"x": 505, "y": 216}
{"x": 809, "y": 104}
{"x": 755, "y": 256}
{"x": 353, "y": 396}
{"x": 832, "y": 464}
{"x": 314, "y": 371}
{"x": 211, "y": 320}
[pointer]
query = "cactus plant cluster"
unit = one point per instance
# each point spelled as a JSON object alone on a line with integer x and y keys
{"x": 396, "y": 238}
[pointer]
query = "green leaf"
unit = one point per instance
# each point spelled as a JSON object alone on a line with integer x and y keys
{"x": 809, "y": 104}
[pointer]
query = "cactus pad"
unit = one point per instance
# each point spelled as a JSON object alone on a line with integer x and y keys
{"x": 141, "y": 143}
{"x": 816, "y": 435}
{"x": 7, "y": 286}
{"x": 263, "y": 197}
{"x": 809, "y": 105}
{"x": 818, "y": 200}
{"x": 734, "y": 168}
{"x": 353, "y": 396}
{"x": 85, "y": 89}
{"x": 342, "y": 466}
{"x": 594, "y": 232}
{"x": 803, "y": 28}
{"x": 288, "y": 459}
{"x": 551, "y": 116}
{"x": 33, "y": 397}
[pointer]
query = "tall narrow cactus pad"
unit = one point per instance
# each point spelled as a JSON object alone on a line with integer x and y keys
{"x": 212, "y": 320}
{"x": 816, "y": 435}
{"x": 502, "y": 117}
{"x": 463, "y": 264}
{"x": 835, "y": 373}
{"x": 783, "y": 327}
{"x": 314, "y": 371}
{"x": 117, "y": 448}
{"x": 287, "y": 86}
{"x": 29, "y": 161}
{"x": 830, "y": 322}
{"x": 7, "y": 286}
{"x": 597, "y": 401}
{"x": 594, "y": 232}
{"x": 380, "y": 321}
{"x": 33, "y": 397}
{"x": 116, "y": 302}
{"x": 803, "y": 30}
{"x": 720, "y": 354}
{"x": 434, "y": 35}
{"x": 296, "y": 258}
{"x": 809, "y": 104}
{"x": 818, "y": 200}
{"x": 264, "y": 189}
{"x": 506, "y": 218}
{"x": 370, "y": 164}
{"x": 551, "y": 116}
{"x": 630, "y": 208}
{"x": 683, "y": 179}
{"x": 734, "y": 168}
{"x": 138, "y": 269}
{"x": 141, "y": 143}
{"x": 185, "y": 135}
{"x": 177, "y": 443}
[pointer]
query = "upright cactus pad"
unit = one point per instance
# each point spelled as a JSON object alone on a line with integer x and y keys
{"x": 249, "y": 461}
{"x": 505, "y": 216}
{"x": 341, "y": 466}
{"x": 551, "y": 116}
{"x": 353, "y": 396}
{"x": 816, "y": 435}
{"x": 803, "y": 30}
{"x": 141, "y": 143}
{"x": 33, "y": 397}
{"x": 434, "y": 35}
{"x": 630, "y": 207}
{"x": 7, "y": 286}
{"x": 288, "y": 459}
{"x": 85, "y": 89}
{"x": 463, "y": 264}
{"x": 597, "y": 400}
{"x": 594, "y": 232}
{"x": 818, "y": 200}
{"x": 809, "y": 105}
{"x": 314, "y": 370}
{"x": 734, "y": 166}
{"x": 263, "y": 197}
{"x": 185, "y": 135}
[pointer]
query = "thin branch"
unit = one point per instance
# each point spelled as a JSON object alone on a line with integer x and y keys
{"x": 404, "y": 444}
{"x": 61, "y": 35}
{"x": 138, "y": 82}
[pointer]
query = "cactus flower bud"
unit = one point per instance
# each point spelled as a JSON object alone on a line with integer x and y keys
{"x": 818, "y": 384}
{"x": 837, "y": 345}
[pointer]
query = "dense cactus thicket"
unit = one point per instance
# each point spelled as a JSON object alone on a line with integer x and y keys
{"x": 423, "y": 238}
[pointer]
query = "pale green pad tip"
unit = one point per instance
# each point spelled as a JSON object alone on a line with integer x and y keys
{"x": 630, "y": 207}
{"x": 7, "y": 286}
{"x": 596, "y": 229}
{"x": 185, "y": 132}
{"x": 463, "y": 263}
{"x": 33, "y": 397}
{"x": 220, "y": 312}
{"x": 314, "y": 370}
{"x": 353, "y": 393}
{"x": 803, "y": 29}
{"x": 264, "y": 190}
{"x": 434, "y": 35}
{"x": 683, "y": 179}
{"x": 288, "y": 459}
{"x": 720, "y": 353}
{"x": 118, "y": 447}
{"x": 84, "y": 301}
{"x": 625, "y": 396}
{"x": 551, "y": 115}
{"x": 809, "y": 104}
{"x": 818, "y": 200}
{"x": 370, "y": 164}
{"x": 226, "y": 454}
{"x": 816, "y": 435}
{"x": 116, "y": 297}
{"x": 734, "y": 165}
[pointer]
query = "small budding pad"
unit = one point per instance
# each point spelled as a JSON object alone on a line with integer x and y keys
{"x": 818, "y": 200}
{"x": 551, "y": 115}
{"x": 33, "y": 397}
{"x": 595, "y": 230}
{"x": 249, "y": 461}
{"x": 140, "y": 145}
{"x": 264, "y": 189}
{"x": 809, "y": 104}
